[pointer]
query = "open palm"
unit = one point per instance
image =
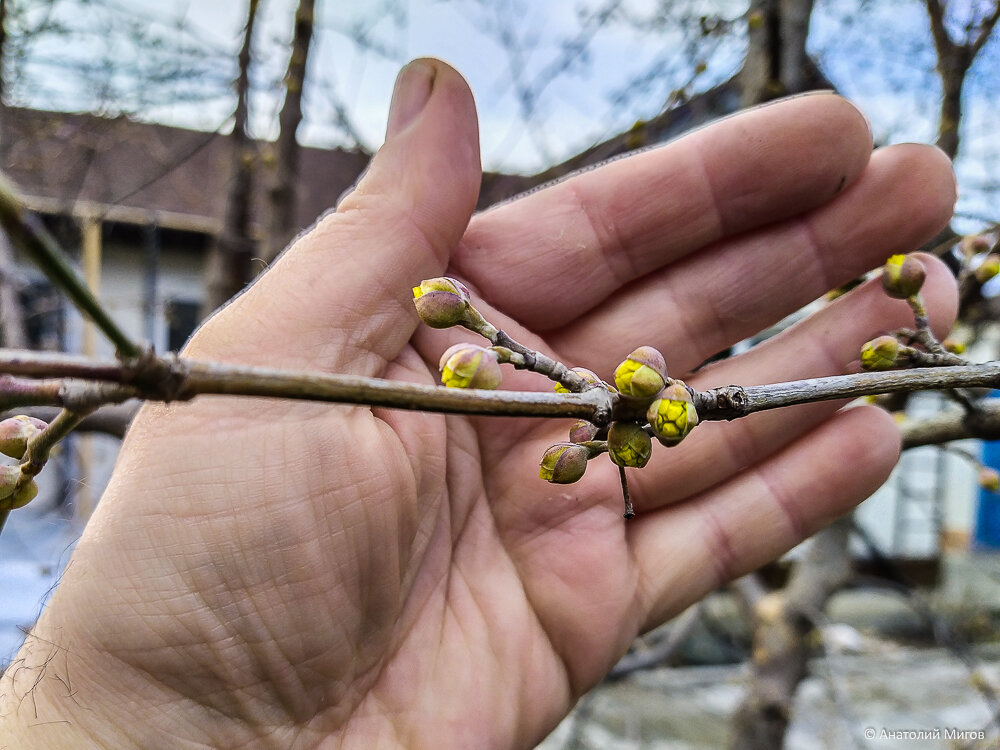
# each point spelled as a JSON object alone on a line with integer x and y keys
{"x": 301, "y": 575}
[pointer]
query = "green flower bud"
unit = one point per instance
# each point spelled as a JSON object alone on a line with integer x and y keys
{"x": 15, "y": 433}
{"x": 902, "y": 276}
{"x": 629, "y": 445}
{"x": 989, "y": 479}
{"x": 564, "y": 463}
{"x": 989, "y": 268}
{"x": 12, "y": 496}
{"x": 442, "y": 302}
{"x": 470, "y": 366}
{"x": 582, "y": 431}
{"x": 8, "y": 480}
{"x": 673, "y": 414}
{"x": 24, "y": 495}
{"x": 880, "y": 353}
{"x": 953, "y": 346}
{"x": 643, "y": 374}
{"x": 588, "y": 375}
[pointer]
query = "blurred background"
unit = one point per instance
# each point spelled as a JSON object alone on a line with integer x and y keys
{"x": 175, "y": 147}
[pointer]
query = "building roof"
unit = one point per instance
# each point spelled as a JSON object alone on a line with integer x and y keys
{"x": 125, "y": 170}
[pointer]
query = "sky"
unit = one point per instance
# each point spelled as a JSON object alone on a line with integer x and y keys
{"x": 574, "y": 112}
{"x": 882, "y": 58}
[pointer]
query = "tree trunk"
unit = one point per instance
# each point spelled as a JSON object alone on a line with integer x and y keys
{"x": 783, "y": 621}
{"x": 282, "y": 226}
{"x": 228, "y": 268}
{"x": 777, "y": 63}
{"x": 954, "y": 59}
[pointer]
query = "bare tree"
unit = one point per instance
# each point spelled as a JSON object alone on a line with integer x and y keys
{"x": 954, "y": 58}
{"x": 282, "y": 226}
{"x": 228, "y": 268}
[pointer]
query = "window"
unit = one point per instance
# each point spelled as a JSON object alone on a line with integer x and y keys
{"x": 182, "y": 319}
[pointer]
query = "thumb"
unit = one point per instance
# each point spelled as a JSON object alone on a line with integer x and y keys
{"x": 339, "y": 297}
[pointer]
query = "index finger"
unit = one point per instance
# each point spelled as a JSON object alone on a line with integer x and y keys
{"x": 552, "y": 255}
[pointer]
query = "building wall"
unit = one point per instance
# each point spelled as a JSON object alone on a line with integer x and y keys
{"x": 91, "y": 458}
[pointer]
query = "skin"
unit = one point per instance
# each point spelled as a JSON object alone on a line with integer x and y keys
{"x": 269, "y": 574}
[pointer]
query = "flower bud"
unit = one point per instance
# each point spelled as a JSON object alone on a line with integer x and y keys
{"x": 442, "y": 302}
{"x": 643, "y": 374}
{"x": 989, "y": 268}
{"x": 953, "y": 346}
{"x": 989, "y": 479}
{"x": 12, "y": 496}
{"x": 24, "y": 495}
{"x": 973, "y": 244}
{"x": 673, "y": 414}
{"x": 582, "y": 431}
{"x": 588, "y": 375}
{"x": 902, "y": 276}
{"x": 564, "y": 463}
{"x": 15, "y": 433}
{"x": 8, "y": 480}
{"x": 880, "y": 353}
{"x": 470, "y": 366}
{"x": 629, "y": 445}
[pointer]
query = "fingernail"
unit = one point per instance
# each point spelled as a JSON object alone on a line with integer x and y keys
{"x": 864, "y": 116}
{"x": 413, "y": 88}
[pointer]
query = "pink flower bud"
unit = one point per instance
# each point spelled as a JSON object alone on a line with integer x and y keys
{"x": 15, "y": 433}
{"x": 442, "y": 302}
{"x": 902, "y": 276}
{"x": 470, "y": 366}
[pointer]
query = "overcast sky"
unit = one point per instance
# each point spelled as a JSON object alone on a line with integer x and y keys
{"x": 882, "y": 58}
{"x": 576, "y": 110}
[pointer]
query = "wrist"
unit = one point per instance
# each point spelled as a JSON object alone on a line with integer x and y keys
{"x": 42, "y": 706}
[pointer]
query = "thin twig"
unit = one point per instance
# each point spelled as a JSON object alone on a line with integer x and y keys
{"x": 733, "y": 401}
{"x": 629, "y": 510}
{"x": 41, "y": 445}
{"x": 27, "y": 233}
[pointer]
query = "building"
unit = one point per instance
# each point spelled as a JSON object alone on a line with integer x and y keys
{"x": 147, "y": 200}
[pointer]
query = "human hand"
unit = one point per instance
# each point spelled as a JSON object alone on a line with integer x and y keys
{"x": 275, "y": 574}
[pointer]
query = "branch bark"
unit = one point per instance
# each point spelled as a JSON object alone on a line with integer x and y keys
{"x": 168, "y": 378}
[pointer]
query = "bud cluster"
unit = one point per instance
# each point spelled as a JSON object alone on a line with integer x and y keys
{"x": 902, "y": 278}
{"x": 648, "y": 403}
{"x": 660, "y": 407}
{"x": 15, "y": 433}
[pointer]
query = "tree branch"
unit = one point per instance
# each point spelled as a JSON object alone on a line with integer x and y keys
{"x": 985, "y": 30}
{"x": 983, "y": 423}
{"x": 27, "y": 232}
{"x": 733, "y": 401}
{"x": 169, "y": 378}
